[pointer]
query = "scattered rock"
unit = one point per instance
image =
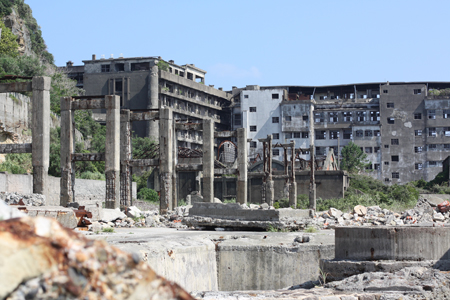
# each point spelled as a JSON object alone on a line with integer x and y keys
{"x": 112, "y": 214}
{"x": 23, "y": 199}
{"x": 133, "y": 212}
{"x": 9, "y": 212}
{"x": 360, "y": 210}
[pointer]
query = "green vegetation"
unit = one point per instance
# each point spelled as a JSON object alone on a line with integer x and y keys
{"x": 182, "y": 202}
{"x": 270, "y": 228}
{"x": 17, "y": 163}
{"x": 109, "y": 230}
{"x": 162, "y": 65}
{"x": 8, "y": 44}
{"x": 311, "y": 229}
{"x": 148, "y": 195}
{"x": 442, "y": 92}
{"x": 231, "y": 200}
{"x": 353, "y": 158}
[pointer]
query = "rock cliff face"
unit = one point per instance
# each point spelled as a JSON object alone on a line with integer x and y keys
{"x": 19, "y": 29}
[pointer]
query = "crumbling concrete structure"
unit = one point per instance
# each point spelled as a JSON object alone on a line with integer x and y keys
{"x": 40, "y": 147}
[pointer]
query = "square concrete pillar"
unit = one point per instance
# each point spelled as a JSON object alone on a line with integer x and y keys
{"x": 112, "y": 151}
{"x": 166, "y": 133}
{"x": 41, "y": 133}
{"x": 125, "y": 156}
{"x": 208, "y": 160}
{"x": 153, "y": 102}
{"x": 293, "y": 194}
{"x": 67, "y": 148}
{"x": 242, "y": 165}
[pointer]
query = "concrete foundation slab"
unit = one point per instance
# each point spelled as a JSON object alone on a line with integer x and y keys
{"x": 65, "y": 216}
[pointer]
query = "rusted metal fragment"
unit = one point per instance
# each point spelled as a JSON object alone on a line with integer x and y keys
{"x": 88, "y": 104}
{"x": 81, "y": 215}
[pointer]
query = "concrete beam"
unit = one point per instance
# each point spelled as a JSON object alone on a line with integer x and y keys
{"x": 88, "y": 157}
{"x": 16, "y": 87}
{"x": 166, "y": 133}
{"x": 225, "y": 171}
{"x": 88, "y": 104}
{"x": 112, "y": 151}
{"x": 208, "y": 160}
{"x": 144, "y": 162}
{"x": 144, "y": 116}
{"x": 190, "y": 126}
{"x": 225, "y": 134}
{"x": 189, "y": 167}
{"x": 16, "y": 148}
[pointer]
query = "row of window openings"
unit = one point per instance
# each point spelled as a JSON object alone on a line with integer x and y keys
{"x": 274, "y": 96}
{"x": 145, "y": 66}
{"x": 415, "y": 92}
{"x": 347, "y": 116}
{"x": 181, "y": 105}
{"x": 191, "y": 94}
{"x": 431, "y": 113}
{"x": 432, "y": 131}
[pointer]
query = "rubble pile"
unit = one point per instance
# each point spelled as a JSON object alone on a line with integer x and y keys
{"x": 23, "y": 199}
{"x": 424, "y": 213}
{"x": 40, "y": 259}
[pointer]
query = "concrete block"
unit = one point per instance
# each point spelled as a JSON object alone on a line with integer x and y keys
{"x": 112, "y": 214}
{"x": 65, "y": 216}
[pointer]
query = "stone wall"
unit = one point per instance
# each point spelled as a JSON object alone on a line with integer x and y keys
{"x": 85, "y": 190}
{"x": 14, "y": 118}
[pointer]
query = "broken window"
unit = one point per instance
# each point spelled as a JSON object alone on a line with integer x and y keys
{"x": 418, "y": 149}
{"x": 319, "y": 151}
{"x": 305, "y": 134}
{"x": 253, "y": 128}
{"x": 369, "y": 167}
{"x": 276, "y": 136}
{"x": 288, "y": 118}
{"x": 105, "y": 68}
{"x": 238, "y": 119}
{"x": 394, "y": 158}
{"x": 447, "y": 131}
{"x": 417, "y": 116}
{"x": 376, "y": 166}
{"x": 305, "y": 118}
{"x": 368, "y": 133}
{"x": 190, "y": 76}
{"x": 385, "y": 91}
{"x": 418, "y": 166}
{"x": 361, "y": 116}
{"x": 432, "y": 114}
{"x": 418, "y": 132}
{"x": 334, "y": 134}
{"x": 275, "y": 120}
{"x": 394, "y": 141}
{"x": 417, "y": 91}
{"x": 368, "y": 149}
{"x": 296, "y": 135}
{"x": 376, "y": 133}
{"x": 359, "y": 133}
{"x": 390, "y": 105}
{"x": 276, "y": 152}
{"x": 375, "y": 116}
{"x": 390, "y": 120}
{"x": 333, "y": 116}
{"x": 432, "y": 131}
{"x": 321, "y": 134}
{"x": 275, "y": 96}
{"x": 395, "y": 175}
{"x": 253, "y": 109}
{"x": 347, "y": 116}
{"x": 118, "y": 86}
{"x": 119, "y": 67}
{"x": 144, "y": 66}
{"x": 319, "y": 117}
{"x": 432, "y": 163}
{"x": 253, "y": 144}
{"x": 446, "y": 113}
{"x": 348, "y": 134}
{"x": 446, "y": 146}
{"x": 376, "y": 149}
{"x": 288, "y": 135}
{"x": 432, "y": 147}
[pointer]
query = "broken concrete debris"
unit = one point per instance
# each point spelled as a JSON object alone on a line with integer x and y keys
{"x": 40, "y": 259}
{"x": 23, "y": 199}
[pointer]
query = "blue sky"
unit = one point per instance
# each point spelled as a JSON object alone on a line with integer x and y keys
{"x": 259, "y": 42}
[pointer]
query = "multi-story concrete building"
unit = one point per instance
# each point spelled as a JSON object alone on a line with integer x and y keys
{"x": 143, "y": 86}
{"x": 404, "y": 132}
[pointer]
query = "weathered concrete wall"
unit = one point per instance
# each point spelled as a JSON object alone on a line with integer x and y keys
{"x": 392, "y": 243}
{"x": 250, "y": 264}
{"x": 13, "y": 114}
{"x": 85, "y": 190}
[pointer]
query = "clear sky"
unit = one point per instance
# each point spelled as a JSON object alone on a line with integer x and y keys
{"x": 260, "y": 42}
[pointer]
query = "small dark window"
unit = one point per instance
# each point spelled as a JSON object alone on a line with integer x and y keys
{"x": 348, "y": 134}
{"x": 288, "y": 135}
{"x": 119, "y": 67}
{"x": 145, "y": 66}
{"x": 390, "y": 105}
{"x": 418, "y": 149}
{"x": 359, "y": 133}
{"x": 305, "y": 118}
{"x": 238, "y": 119}
{"x": 253, "y": 109}
{"x": 276, "y": 136}
{"x": 275, "y": 96}
{"x": 417, "y": 91}
{"x": 105, "y": 68}
{"x": 376, "y": 149}
{"x": 253, "y": 128}
{"x": 432, "y": 163}
{"x": 418, "y": 166}
{"x": 385, "y": 91}
{"x": 394, "y": 158}
{"x": 386, "y": 163}
{"x": 334, "y": 135}
{"x": 417, "y": 116}
{"x": 390, "y": 120}
{"x": 386, "y": 146}
{"x": 253, "y": 144}
{"x": 296, "y": 135}
{"x": 368, "y": 149}
{"x": 376, "y": 133}
{"x": 305, "y": 134}
{"x": 418, "y": 132}
{"x": 276, "y": 152}
{"x": 386, "y": 180}
{"x": 376, "y": 166}
{"x": 395, "y": 175}
{"x": 394, "y": 142}
{"x": 275, "y": 120}
{"x": 321, "y": 134}
{"x": 246, "y": 96}
{"x": 432, "y": 114}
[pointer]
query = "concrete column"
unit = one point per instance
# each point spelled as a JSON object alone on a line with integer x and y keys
{"x": 166, "y": 133}
{"x": 293, "y": 186}
{"x": 312, "y": 182}
{"x": 174, "y": 168}
{"x": 112, "y": 151}
{"x": 153, "y": 102}
{"x": 41, "y": 133}
{"x": 67, "y": 148}
{"x": 270, "y": 187}
{"x": 208, "y": 160}
{"x": 125, "y": 156}
{"x": 242, "y": 166}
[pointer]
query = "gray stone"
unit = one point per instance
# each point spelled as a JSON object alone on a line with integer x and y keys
{"x": 112, "y": 214}
{"x": 335, "y": 213}
{"x": 134, "y": 212}
{"x": 360, "y": 210}
{"x": 9, "y": 212}
{"x": 65, "y": 216}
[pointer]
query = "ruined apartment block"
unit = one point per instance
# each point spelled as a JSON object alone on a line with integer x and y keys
{"x": 404, "y": 132}
{"x": 142, "y": 86}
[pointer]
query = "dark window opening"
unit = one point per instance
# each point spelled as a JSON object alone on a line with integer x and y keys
{"x": 305, "y": 118}
{"x": 368, "y": 149}
{"x": 276, "y": 152}
{"x": 334, "y": 135}
{"x": 417, "y": 91}
{"x": 394, "y": 142}
{"x": 368, "y": 133}
{"x": 275, "y": 120}
{"x": 394, "y": 158}
{"x": 288, "y": 118}
{"x": 348, "y": 134}
{"x": 276, "y": 136}
{"x": 305, "y": 134}
{"x": 418, "y": 166}
{"x": 238, "y": 119}
{"x": 253, "y": 109}
{"x": 119, "y": 67}
{"x": 145, "y": 66}
{"x": 390, "y": 120}
{"x": 395, "y": 175}
{"x": 321, "y": 135}
{"x": 385, "y": 91}
{"x": 105, "y": 68}
{"x": 296, "y": 135}
{"x": 386, "y": 146}
{"x": 253, "y": 128}
{"x": 275, "y": 96}
{"x": 252, "y": 144}
{"x": 390, "y": 105}
{"x": 417, "y": 116}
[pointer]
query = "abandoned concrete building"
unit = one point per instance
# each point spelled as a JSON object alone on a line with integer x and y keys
{"x": 402, "y": 127}
{"x": 141, "y": 86}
